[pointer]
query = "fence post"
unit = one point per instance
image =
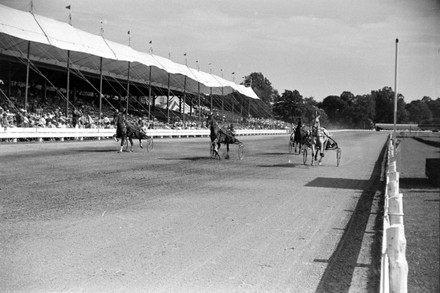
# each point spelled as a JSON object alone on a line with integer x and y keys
{"x": 392, "y": 165}
{"x": 395, "y": 209}
{"x": 396, "y": 249}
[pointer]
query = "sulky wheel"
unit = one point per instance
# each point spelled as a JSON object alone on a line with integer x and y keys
{"x": 126, "y": 144}
{"x": 338, "y": 156}
{"x": 150, "y": 144}
{"x": 240, "y": 151}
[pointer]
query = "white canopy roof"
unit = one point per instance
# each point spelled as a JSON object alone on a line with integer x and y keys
{"x": 50, "y": 39}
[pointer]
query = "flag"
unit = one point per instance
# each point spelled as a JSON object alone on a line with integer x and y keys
{"x": 68, "y": 7}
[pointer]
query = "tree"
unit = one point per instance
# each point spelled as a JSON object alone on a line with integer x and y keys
{"x": 347, "y": 97}
{"x": 365, "y": 109}
{"x": 402, "y": 113}
{"x": 418, "y": 111}
{"x": 434, "y": 107}
{"x": 289, "y": 106}
{"x": 310, "y": 111}
{"x": 334, "y": 106}
{"x": 384, "y": 100}
{"x": 261, "y": 86}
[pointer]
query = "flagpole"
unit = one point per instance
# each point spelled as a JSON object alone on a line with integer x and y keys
{"x": 395, "y": 98}
{"x": 68, "y": 7}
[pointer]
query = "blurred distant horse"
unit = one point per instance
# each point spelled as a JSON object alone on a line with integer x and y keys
{"x": 220, "y": 136}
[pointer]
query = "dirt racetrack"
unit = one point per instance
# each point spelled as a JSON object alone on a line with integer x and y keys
{"x": 80, "y": 217}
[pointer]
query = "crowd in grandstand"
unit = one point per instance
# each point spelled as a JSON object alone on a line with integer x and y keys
{"x": 50, "y": 112}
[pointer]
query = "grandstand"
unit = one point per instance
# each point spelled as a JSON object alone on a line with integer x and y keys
{"x": 47, "y": 66}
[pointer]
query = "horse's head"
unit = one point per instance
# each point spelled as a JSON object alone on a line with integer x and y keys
{"x": 210, "y": 122}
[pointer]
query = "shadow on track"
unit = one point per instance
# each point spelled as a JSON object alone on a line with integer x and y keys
{"x": 341, "y": 183}
{"x": 285, "y": 165}
{"x": 189, "y": 159}
{"x": 341, "y": 265}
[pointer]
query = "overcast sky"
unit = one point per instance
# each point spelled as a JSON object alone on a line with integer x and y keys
{"x": 318, "y": 47}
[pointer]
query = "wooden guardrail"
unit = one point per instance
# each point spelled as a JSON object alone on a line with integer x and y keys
{"x": 16, "y": 133}
{"x": 394, "y": 267}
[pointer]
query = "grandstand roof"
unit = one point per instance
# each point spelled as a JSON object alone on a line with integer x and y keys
{"x": 50, "y": 40}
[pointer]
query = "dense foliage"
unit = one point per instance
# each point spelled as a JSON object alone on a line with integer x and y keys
{"x": 346, "y": 110}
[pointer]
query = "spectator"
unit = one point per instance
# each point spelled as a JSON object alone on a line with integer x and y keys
{"x": 77, "y": 114}
{"x": 4, "y": 121}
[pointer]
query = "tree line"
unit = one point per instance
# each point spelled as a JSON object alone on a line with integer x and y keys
{"x": 347, "y": 110}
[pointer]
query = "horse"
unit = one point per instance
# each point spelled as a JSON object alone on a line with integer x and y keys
{"x": 134, "y": 132}
{"x": 121, "y": 130}
{"x": 318, "y": 140}
{"x": 220, "y": 136}
{"x": 299, "y": 136}
{"x": 127, "y": 131}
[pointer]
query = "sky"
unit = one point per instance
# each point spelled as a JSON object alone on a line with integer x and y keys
{"x": 318, "y": 47}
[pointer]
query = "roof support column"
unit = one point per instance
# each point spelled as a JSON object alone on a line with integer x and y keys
{"x": 184, "y": 102}
{"x": 210, "y": 94}
{"x": 26, "y": 91}
{"x": 128, "y": 88}
{"x": 168, "y": 100}
{"x": 68, "y": 83}
{"x": 198, "y": 97}
{"x": 149, "y": 95}
{"x": 100, "y": 91}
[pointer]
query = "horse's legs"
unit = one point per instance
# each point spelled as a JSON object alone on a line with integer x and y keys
{"x": 140, "y": 143}
{"x": 227, "y": 151}
{"x": 131, "y": 144}
{"x": 122, "y": 143}
{"x": 322, "y": 145}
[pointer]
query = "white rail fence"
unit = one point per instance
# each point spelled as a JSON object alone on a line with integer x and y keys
{"x": 394, "y": 267}
{"x": 16, "y": 133}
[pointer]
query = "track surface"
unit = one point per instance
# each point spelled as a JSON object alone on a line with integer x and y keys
{"x": 80, "y": 217}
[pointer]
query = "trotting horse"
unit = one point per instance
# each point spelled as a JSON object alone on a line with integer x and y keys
{"x": 121, "y": 130}
{"x": 127, "y": 131}
{"x": 299, "y": 136}
{"x": 138, "y": 133}
{"x": 318, "y": 140}
{"x": 220, "y": 136}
